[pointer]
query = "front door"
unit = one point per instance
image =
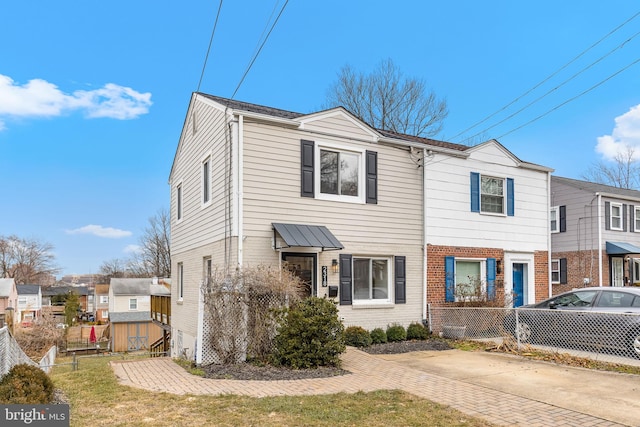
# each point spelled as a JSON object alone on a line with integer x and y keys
{"x": 518, "y": 284}
{"x": 617, "y": 271}
{"x": 304, "y": 266}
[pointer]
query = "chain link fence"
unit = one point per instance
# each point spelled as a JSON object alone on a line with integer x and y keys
{"x": 604, "y": 336}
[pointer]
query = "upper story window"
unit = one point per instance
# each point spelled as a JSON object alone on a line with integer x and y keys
{"x": 133, "y": 303}
{"x": 206, "y": 180}
{"x": 337, "y": 172}
{"x": 179, "y": 202}
{"x": 636, "y": 218}
{"x": 492, "y": 195}
{"x": 554, "y": 218}
{"x": 615, "y": 216}
{"x": 104, "y": 299}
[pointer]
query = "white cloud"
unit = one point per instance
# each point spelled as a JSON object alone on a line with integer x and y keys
{"x": 100, "y": 231}
{"x": 132, "y": 249}
{"x": 626, "y": 134}
{"x": 39, "y": 98}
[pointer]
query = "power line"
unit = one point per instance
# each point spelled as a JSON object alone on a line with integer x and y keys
{"x": 260, "y": 49}
{"x": 621, "y": 45}
{"x": 571, "y": 99}
{"x": 546, "y": 79}
{"x": 206, "y": 58}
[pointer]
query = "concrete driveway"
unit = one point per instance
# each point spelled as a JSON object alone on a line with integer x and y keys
{"x": 607, "y": 395}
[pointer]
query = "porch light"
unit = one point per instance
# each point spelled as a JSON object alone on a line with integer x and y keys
{"x": 334, "y": 265}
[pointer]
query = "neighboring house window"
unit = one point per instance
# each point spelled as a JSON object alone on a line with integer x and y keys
{"x": 179, "y": 202}
{"x": 468, "y": 279}
{"x": 371, "y": 279}
{"x": 636, "y": 270}
{"x": 554, "y": 216}
{"x": 133, "y": 303}
{"x": 206, "y": 180}
{"x": 555, "y": 271}
{"x": 206, "y": 269}
{"x": 636, "y": 220}
{"x": 616, "y": 216}
{"x": 492, "y": 195}
{"x": 336, "y": 172}
{"x": 104, "y": 299}
{"x": 559, "y": 270}
{"x": 180, "y": 281}
{"x": 22, "y": 300}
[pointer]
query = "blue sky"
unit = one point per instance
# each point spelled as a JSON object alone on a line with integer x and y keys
{"x": 93, "y": 95}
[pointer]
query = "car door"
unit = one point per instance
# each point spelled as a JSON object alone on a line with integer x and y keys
{"x": 570, "y": 321}
{"x": 610, "y": 319}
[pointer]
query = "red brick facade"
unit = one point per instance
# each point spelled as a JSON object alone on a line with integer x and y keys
{"x": 583, "y": 265}
{"x": 436, "y": 270}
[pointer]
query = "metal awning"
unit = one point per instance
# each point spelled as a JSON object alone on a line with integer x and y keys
{"x": 306, "y": 236}
{"x": 622, "y": 248}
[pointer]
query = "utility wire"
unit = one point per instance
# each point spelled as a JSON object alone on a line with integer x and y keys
{"x": 571, "y": 99}
{"x": 546, "y": 79}
{"x": 206, "y": 58}
{"x": 260, "y": 49}
{"x": 620, "y": 46}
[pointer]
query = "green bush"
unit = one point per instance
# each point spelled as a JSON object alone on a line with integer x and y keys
{"x": 396, "y": 333}
{"x": 417, "y": 331}
{"x": 26, "y": 384}
{"x": 378, "y": 336}
{"x": 357, "y": 336}
{"x": 310, "y": 334}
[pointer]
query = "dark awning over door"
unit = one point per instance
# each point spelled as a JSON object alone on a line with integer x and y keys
{"x": 622, "y": 248}
{"x": 307, "y": 236}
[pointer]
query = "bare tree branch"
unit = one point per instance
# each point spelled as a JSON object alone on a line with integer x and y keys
{"x": 622, "y": 172}
{"x": 385, "y": 99}
{"x": 27, "y": 260}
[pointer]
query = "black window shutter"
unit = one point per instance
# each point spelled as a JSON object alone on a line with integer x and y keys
{"x": 563, "y": 219}
{"x": 632, "y": 218}
{"x": 563, "y": 270}
{"x": 624, "y": 217}
{"x": 607, "y": 216}
{"x": 372, "y": 177}
{"x": 400, "y": 272}
{"x": 307, "y": 151}
{"x": 345, "y": 279}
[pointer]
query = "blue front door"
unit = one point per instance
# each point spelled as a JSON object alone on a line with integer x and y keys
{"x": 518, "y": 285}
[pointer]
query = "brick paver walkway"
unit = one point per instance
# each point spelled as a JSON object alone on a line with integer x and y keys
{"x": 368, "y": 373}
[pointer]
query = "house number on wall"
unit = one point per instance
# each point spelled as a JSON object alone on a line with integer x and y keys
{"x": 324, "y": 276}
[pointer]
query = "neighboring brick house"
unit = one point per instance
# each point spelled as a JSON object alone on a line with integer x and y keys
{"x": 595, "y": 235}
{"x": 102, "y": 302}
{"x": 353, "y": 208}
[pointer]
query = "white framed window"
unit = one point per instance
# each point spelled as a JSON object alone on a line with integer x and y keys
{"x": 554, "y": 218}
{"x": 492, "y": 193}
{"x": 636, "y": 269}
{"x": 555, "y": 271}
{"x": 179, "y": 202}
{"x": 636, "y": 216}
{"x": 22, "y": 301}
{"x": 133, "y": 303}
{"x": 340, "y": 173}
{"x": 104, "y": 299}
{"x": 372, "y": 279}
{"x": 105, "y": 314}
{"x": 470, "y": 278}
{"x": 615, "y": 216}
{"x": 206, "y": 181}
{"x": 207, "y": 268}
{"x": 180, "y": 281}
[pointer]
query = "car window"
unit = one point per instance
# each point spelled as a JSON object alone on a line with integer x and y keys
{"x": 636, "y": 302}
{"x": 615, "y": 299}
{"x": 575, "y": 299}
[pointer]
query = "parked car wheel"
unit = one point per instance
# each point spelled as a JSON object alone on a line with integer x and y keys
{"x": 523, "y": 332}
{"x": 634, "y": 343}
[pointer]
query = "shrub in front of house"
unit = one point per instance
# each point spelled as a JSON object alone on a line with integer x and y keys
{"x": 310, "y": 334}
{"x": 378, "y": 336}
{"x": 26, "y": 384}
{"x": 396, "y": 333}
{"x": 357, "y": 336}
{"x": 417, "y": 331}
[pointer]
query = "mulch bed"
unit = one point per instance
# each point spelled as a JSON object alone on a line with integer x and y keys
{"x": 249, "y": 371}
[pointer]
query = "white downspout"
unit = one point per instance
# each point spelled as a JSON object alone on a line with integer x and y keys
{"x": 599, "y": 238}
{"x": 239, "y": 189}
{"x": 424, "y": 235}
{"x": 550, "y": 292}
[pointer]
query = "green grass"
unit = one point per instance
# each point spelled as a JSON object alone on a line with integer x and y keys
{"x": 97, "y": 399}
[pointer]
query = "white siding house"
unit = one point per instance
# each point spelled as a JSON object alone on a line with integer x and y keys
{"x": 29, "y": 307}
